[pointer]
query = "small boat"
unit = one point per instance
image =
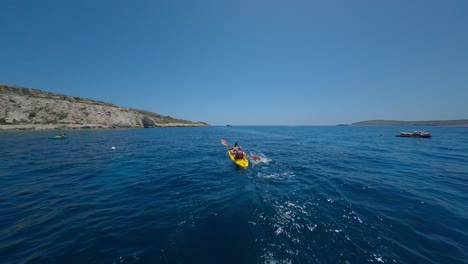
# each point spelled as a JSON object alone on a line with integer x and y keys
{"x": 244, "y": 162}
{"x": 58, "y": 137}
{"x": 416, "y": 134}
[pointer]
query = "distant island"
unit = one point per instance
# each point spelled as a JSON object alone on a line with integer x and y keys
{"x": 33, "y": 109}
{"x": 459, "y": 122}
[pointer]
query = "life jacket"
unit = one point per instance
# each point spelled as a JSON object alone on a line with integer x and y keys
{"x": 239, "y": 154}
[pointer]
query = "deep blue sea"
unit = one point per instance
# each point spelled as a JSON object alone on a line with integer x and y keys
{"x": 171, "y": 195}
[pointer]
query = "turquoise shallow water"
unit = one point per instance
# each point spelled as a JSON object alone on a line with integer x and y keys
{"x": 318, "y": 195}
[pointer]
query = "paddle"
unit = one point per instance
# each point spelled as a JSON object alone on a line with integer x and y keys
{"x": 224, "y": 143}
{"x": 227, "y": 145}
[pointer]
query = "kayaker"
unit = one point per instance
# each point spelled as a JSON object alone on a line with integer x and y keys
{"x": 62, "y": 134}
{"x": 238, "y": 152}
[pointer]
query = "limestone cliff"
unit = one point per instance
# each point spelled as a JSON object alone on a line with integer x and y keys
{"x": 26, "y": 108}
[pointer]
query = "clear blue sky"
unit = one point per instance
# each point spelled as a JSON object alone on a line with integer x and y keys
{"x": 246, "y": 62}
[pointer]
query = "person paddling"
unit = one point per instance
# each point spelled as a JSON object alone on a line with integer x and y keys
{"x": 238, "y": 152}
{"x": 233, "y": 151}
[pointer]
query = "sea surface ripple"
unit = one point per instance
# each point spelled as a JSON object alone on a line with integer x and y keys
{"x": 171, "y": 195}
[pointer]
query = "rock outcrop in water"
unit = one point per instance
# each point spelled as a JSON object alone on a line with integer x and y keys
{"x": 28, "y": 109}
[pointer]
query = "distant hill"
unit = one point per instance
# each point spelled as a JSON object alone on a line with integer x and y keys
{"x": 460, "y": 122}
{"x": 26, "y": 108}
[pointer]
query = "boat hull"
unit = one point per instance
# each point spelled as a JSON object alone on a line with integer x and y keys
{"x": 416, "y": 134}
{"x": 243, "y": 163}
{"x": 58, "y": 137}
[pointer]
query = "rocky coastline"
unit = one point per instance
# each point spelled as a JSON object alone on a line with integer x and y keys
{"x": 33, "y": 109}
{"x": 459, "y": 122}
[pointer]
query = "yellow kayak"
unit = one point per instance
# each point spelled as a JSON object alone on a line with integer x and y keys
{"x": 244, "y": 162}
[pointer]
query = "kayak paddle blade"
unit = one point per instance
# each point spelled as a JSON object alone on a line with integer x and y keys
{"x": 224, "y": 143}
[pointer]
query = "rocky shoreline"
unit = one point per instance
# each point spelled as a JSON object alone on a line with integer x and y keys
{"x": 85, "y": 126}
{"x": 459, "y": 122}
{"x": 33, "y": 109}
